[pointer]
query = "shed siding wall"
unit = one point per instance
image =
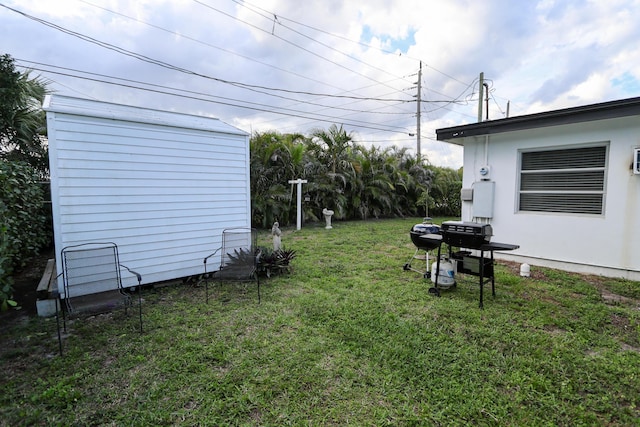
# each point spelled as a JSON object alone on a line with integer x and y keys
{"x": 601, "y": 244}
{"x": 163, "y": 194}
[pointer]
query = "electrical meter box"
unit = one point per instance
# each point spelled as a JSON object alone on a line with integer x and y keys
{"x": 483, "y": 195}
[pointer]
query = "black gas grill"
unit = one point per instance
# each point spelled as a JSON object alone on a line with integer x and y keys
{"x": 469, "y": 235}
{"x": 476, "y": 237}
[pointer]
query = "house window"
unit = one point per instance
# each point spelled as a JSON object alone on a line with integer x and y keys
{"x": 570, "y": 180}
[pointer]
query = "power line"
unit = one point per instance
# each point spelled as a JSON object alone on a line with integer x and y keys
{"x": 230, "y": 101}
{"x": 290, "y": 42}
{"x": 160, "y": 63}
{"x": 372, "y": 111}
{"x": 132, "y": 84}
{"x": 175, "y": 33}
{"x": 280, "y": 17}
{"x": 199, "y": 93}
{"x": 275, "y": 20}
{"x": 238, "y": 84}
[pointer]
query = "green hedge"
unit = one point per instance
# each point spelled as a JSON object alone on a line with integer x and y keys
{"x": 25, "y": 228}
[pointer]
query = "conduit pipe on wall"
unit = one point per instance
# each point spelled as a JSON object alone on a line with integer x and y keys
{"x": 486, "y": 150}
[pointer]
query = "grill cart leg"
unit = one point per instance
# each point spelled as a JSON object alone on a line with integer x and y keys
{"x": 493, "y": 277}
{"x": 407, "y": 266}
{"x": 434, "y": 289}
{"x": 481, "y": 277}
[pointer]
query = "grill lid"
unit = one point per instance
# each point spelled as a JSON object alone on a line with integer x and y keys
{"x": 466, "y": 234}
{"x": 425, "y": 228}
{"x": 422, "y": 235}
{"x": 471, "y": 228}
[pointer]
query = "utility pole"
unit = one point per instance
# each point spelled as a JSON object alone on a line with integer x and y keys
{"x": 480, "y": 90}
{"x": 419, "y": 154}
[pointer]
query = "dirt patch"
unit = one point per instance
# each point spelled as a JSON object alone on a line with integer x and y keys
{"x": 611, "y": 298}
{"x": 25, "y": 283}
{"x": 620, "y": 321}
{"x": 554, "y": 331}
{"x": 626, "y": 330}
{"x": 627, "y": 347}
{"x": 597, "y": 281}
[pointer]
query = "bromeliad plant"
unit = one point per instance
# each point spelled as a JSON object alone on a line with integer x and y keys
{"x": 270, "y": 262}
{"x": 276, "y": 262}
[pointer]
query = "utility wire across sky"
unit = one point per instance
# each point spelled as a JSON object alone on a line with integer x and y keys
{"x": 382, "y": 103}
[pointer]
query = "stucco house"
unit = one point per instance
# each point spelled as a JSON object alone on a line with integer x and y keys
{"x": 564, "y": 185}
{"x": 162, "y": 185}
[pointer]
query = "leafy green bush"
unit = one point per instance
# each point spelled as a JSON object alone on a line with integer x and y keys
{"x": 24, "y": 216}
{"x": 6, "y": 281}
{"x": 444, "y": 195}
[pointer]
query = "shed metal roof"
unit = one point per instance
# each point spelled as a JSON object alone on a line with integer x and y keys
{"x": 105, "y": 110}
{"x": 586, "y": 113}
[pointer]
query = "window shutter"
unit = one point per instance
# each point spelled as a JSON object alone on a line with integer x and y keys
{"x": 566, "y": 181}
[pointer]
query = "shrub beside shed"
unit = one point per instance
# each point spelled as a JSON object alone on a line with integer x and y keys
{"x": 161, "y": 185}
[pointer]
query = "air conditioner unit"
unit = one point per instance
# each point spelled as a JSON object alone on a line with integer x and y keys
{"x": 636, "y": 161}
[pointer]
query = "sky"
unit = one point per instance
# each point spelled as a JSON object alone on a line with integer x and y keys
{"x": 295, "y": 67}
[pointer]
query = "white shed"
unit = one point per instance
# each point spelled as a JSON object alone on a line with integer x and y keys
{"x": 564, "y": 185}
{"x": 161, "y": 185}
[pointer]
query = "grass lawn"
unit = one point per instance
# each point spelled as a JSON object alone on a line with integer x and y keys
{"x": 348, "y": 338}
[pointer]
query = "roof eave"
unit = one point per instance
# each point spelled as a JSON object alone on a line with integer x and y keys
{"x": 606, "y": 110}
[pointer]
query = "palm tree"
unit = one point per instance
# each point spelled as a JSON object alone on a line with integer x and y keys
{"x": 335, "y": 146}
{"x": 268, "y": 199}
{"x": 445, "y": 193}
{"x": 351, "y": 180}
{"x": 374, "y": 189}
{"x": 22, "y": 121}
{"x": 275, "y": 159}
{"x": 416, "y": 180}
{"x": 325, "y": 189}
{"x": 330, "y": 166}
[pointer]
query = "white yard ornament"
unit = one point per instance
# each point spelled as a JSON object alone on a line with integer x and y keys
{"x": 327, "y": 217}
{"x": 276, "y": 233}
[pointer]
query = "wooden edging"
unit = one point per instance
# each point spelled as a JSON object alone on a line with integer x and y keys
{"x": 48, "y": 277}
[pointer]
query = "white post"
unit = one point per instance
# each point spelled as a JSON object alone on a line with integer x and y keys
{"x": 299, "y": 215}
{"x": 480, "y": 90}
